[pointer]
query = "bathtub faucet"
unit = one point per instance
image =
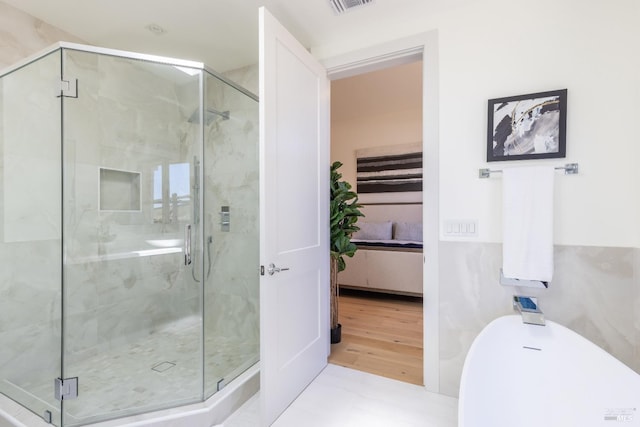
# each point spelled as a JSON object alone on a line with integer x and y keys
{"x": 528, "y": 309}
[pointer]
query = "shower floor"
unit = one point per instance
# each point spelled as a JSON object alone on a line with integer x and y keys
{"x": 159, "y": 371}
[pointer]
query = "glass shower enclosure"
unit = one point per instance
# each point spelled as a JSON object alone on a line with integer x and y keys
{"x": 128, "y": 233}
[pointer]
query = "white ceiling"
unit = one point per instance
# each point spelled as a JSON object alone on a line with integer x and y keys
{"x": 221, "y": 33}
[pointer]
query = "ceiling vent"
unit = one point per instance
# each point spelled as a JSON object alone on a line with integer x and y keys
{"x": 341, "y": 6}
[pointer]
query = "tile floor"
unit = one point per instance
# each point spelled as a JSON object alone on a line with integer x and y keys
{"x": 343, "y": 397}
{"x": 174, "y": 353}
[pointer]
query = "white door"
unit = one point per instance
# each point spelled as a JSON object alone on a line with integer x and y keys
{"x": 294, "y": 208}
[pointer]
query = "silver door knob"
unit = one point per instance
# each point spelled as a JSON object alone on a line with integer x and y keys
{"x": 272, "y": 269}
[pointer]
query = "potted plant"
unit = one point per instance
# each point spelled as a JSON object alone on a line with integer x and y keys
{"x": 344, "y": 213}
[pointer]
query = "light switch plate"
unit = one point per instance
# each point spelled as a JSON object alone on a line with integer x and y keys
{"x": 461, "y": 228}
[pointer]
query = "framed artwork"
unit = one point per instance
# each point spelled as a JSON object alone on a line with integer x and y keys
{"x": 389, "y": 174}
{"x": 532, "y": 126}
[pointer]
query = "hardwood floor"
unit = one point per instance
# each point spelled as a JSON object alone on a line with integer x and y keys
{"x": 381, "y": 334}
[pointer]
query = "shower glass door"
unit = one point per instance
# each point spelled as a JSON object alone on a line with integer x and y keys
{"x": 30, "y": 236}
{"x": 132, "y": 273}
{"x": 231, "y": 202}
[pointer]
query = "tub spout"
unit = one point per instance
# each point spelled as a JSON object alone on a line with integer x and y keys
{"x": 528, "y": 309}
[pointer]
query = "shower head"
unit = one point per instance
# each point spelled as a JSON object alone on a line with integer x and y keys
{"x": 210, "y": 115}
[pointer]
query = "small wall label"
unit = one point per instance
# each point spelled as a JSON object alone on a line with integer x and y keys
{"x": 620, "y": 415}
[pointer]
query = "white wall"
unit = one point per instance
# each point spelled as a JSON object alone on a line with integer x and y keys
{"x": 376, "y": 109}
{"x": 393, "y": 128}
{"x": 501, "y": 48}
{"x": 585, "y": 49}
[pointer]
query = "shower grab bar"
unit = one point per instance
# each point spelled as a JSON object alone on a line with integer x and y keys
{"x": 187, "y": 244}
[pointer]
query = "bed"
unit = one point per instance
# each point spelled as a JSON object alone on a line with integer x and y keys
{"x": 389, "y": 258}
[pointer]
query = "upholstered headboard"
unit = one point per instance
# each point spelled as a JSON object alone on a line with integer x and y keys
{"x": 390, "y": 222}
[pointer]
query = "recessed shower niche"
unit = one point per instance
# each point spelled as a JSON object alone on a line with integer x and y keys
{"x": 119, "y": 190}
{"x": 117, "y": 273}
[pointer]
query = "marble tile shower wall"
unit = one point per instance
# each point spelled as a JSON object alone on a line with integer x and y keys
{"x": 237, "y": 286}
{"x": 116, "y": 300}
{"x": 31, "y": 142}
{"x": 29, "y": 289}
{"x": 111, "y": 300}
{"x": 595, "y": 292}
{"x": 232, "y": 179}
{"x": 128, "y": 116}
{"x": 246, "y": 77}
{"x": 30, "y": 218}
{"x": 22, "y": 35}
{"x": 30, "y": 308}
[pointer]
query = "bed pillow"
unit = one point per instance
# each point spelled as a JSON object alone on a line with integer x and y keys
{"x": 408, "y": 231}
{"x": 373, "y": 230}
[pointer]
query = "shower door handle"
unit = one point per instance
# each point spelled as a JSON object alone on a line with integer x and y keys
{"x": 187, "y": 244}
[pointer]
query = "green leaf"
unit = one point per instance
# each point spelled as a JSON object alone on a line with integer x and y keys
{"x": 341, "y": 264}
{"x": 344, "y": 212}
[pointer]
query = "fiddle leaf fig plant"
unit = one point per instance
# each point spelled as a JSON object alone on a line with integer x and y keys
{"x": 344, "y": 214}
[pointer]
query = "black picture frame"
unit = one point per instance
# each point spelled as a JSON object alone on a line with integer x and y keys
{"x": 531, "y": 126}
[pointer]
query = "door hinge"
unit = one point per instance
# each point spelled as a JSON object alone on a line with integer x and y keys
{"x": 65, "y": 389}
{"x": 67, "y": 88}
{"x": 262, "y": 270}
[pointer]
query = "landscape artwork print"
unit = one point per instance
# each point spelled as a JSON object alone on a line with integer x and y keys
{"x": 531, "y": 126}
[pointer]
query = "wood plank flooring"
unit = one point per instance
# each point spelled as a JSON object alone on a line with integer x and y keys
{"x": 381, "y": 334}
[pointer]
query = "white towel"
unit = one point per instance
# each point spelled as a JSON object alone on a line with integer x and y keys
{"x": 527, "y": 200}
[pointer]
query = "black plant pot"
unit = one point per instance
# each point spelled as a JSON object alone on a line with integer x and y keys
{"x": 336, "y": 334}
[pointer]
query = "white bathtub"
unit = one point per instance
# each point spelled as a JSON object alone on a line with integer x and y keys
{"x": 518, "y": 375}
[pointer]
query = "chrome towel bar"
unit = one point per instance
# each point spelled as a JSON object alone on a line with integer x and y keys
{"x": 569, "y": 169}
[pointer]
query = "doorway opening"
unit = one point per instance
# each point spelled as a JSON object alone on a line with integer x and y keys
{"x": 376, "y": 132}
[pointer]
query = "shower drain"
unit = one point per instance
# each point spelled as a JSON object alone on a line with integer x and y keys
{"x": 162, "y": 366}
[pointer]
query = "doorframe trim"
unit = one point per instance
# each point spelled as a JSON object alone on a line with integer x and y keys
{"x": 421, "y": 46}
